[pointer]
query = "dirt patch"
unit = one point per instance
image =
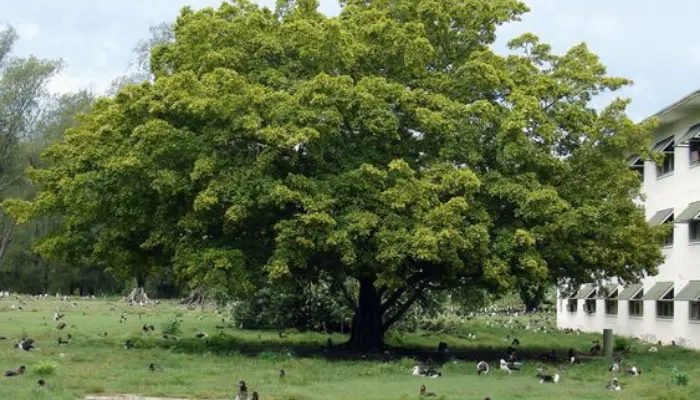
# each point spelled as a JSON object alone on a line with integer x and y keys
{"x": 133, "y": 397}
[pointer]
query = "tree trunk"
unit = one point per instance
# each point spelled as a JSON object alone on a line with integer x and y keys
{"x": 139, "y": 296}
{"x": 367, "y": 332}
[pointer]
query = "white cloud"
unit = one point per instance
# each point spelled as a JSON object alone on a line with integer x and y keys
{"x": 28, "y": 31}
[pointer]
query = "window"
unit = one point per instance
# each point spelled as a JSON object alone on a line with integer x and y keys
{"x": 694, "y": 310}
{"x": 664, "y": 306}
{"x": 590, "y": 306}
{"x": 611, "y": 303}
{"x": 636, "y": 305}
{"x": 694, "y": 230}
{"x": 572, "y": 305}
{"x": 694, "y": 151}
{"x": 637, "y": 165}
{"x": 666, "y": 166}
{"x": 668, "y": 240}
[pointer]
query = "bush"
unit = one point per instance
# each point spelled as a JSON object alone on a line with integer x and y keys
{"x": 44, "y": 368}
{"x": 679, "y": 377}
{"x": 622, "y": 344}
{"x": 174, "y": 325}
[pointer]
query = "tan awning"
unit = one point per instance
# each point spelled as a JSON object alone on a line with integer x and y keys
{"x": 661, "y": 216}
{"x": 692, "y": 212}
{"x": 658, "y": 291}
{"x": 663, "y": 145}
{"x": 692, "y": 133}
{"x": 690, "y": 292}
{"x": 630, "y": 291}
{"x": 608, "y": 291}
{"x": 584, "y": 292}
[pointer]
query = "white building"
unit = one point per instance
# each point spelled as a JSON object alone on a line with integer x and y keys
{"x": 666, "y": 306}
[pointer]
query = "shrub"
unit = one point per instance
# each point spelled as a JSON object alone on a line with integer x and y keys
{"x": 44, "y": 368}
{"x": 679, "y": 377}
{"x": 622, "y": 344}
{"x": 173, "y": 326}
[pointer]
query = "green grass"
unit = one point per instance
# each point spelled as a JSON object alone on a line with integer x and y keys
{"x": 93, "y": 363}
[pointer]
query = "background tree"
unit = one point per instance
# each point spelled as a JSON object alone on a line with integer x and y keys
{"x": 22, "y": 92}
{"x": 388, "y": 149}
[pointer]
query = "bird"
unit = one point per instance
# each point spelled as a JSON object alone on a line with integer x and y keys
{"x": 614, "y": 385}
{"x": 242, "y": 391}
{"x": 615, "y": 367}
{"x": 430, "y": 372}
{"x": 25, "y": 344}
{"x": 254, "y": 396}
{"x": 653, "y": 349}
{"x": 443, "y": 348}
{"x": 128, "y": 344}
{"x": 41, "y": 382}
{"x": 634, "y": 371}
{"x": 504, "y": 367}
{"x": 153, "y": 368}
{"x": 282, "y": 373}
{"x": 482, "y": 368}
{"x": 200, "y": 335}
{"x": 61, "y": 325}
{"x": 548, "y": 378}
{"x": 19, "y": 371}
{"x": 515, "y": 342}
{"x": 61, "y": 341}
{"x": 423, "y": 392}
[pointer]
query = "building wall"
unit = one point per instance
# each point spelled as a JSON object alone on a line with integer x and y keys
{"x": 682, "y": 260}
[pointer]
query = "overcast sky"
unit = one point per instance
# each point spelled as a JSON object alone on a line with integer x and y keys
{"x": 653, "y": 42}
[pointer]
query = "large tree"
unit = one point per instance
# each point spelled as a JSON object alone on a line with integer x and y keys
{"x": 390, "y": 149}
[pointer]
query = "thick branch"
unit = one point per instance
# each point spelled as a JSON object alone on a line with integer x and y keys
{"x": 6, "y": 240}
{"x": 348, "y": 297}
{"x": 404, "y": 308}
{"x": 391, "y": 301}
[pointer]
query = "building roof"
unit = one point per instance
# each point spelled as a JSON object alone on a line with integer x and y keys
{"x": 692, "y": 212}
{"x": 608, "y": 291}
{"x": 584, "y": 292}
{"x": 661, "y": 216}
{"x": 678, "y": 109}
{"x": 630, "y": 291}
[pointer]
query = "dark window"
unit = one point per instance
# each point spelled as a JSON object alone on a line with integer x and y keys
{"x": 694, "y": 310}
{"x": 572, "y": 305}
{"x": 694, "y": 151}
{"x": 694, "y": 230}
{"x": 611, "y": 304}
{"x": 667, "y": 165}
{"x": 664, "y": 306}
{"x": 590, "y": 306}
{"x": 668, "y": 240}
{"x": 636, "y": 305}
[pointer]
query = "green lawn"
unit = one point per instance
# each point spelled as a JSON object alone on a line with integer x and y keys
{"x": 93, "y": 363}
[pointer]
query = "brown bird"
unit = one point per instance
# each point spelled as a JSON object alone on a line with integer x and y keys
{"x": 61, "y": 325}
{"x": 424, "y": 393}
{"x": 19, "y": 371}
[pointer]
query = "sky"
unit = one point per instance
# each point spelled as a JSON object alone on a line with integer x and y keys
{"x": 652, "y": 42}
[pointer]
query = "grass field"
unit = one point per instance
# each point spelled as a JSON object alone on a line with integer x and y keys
{"x": 95, "y": 363}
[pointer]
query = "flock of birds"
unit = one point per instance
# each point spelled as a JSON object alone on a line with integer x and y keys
{"x": 508, "y": 365}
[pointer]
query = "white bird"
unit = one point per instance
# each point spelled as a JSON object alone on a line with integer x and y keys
{"x": 504, "y": 367}
{"x": 634, "y": 371}
{"x": 614, "y": 368}
{"x": 653, "y": 349}
{"x": 549, "y": 378}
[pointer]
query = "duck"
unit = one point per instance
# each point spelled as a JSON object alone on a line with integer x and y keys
{"x": 548, "y": 378}
{"x": 430, "y": 372}
{"x": 19, "y": 371}
{"x": 614, "y": 385}
{"x": 615, "y": 367}
{"x": 424, "y": 393}
{"x": 25, "y": 344}
{"x": 482, "y": 368}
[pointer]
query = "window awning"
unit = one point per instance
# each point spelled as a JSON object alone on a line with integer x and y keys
{"x": 662, "y": 145}
{"x": 658, "y": 291}
{"x": 584, "y": 292}
{"x": 661, "y": 216}
{"x": 608, "y": 291}
{"x": 690, "y": 292}
{"x": 630, "y": 291}
{"x": 636, "y": 161}
{"x": 692, "y": 133}
{"x": 692, "y": 212}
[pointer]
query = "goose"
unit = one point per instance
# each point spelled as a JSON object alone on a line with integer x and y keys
{"x": 482, "y": 368}
{"x": 25, "y": 344}
{"x": 62, "y": 342}
{"x": 61, "y": 326}
{"x": 504, "y": 367}
{"x": 430, "y": 372}
{"x": 19, "y": 371}
{"x": 424, "y": 393}
{"x": 282, "y": 373}
{"x": 153, "y": 368}
{"x": 614, "y": 385}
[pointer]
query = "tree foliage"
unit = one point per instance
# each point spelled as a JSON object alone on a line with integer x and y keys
{"x": 389, "y": 147}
